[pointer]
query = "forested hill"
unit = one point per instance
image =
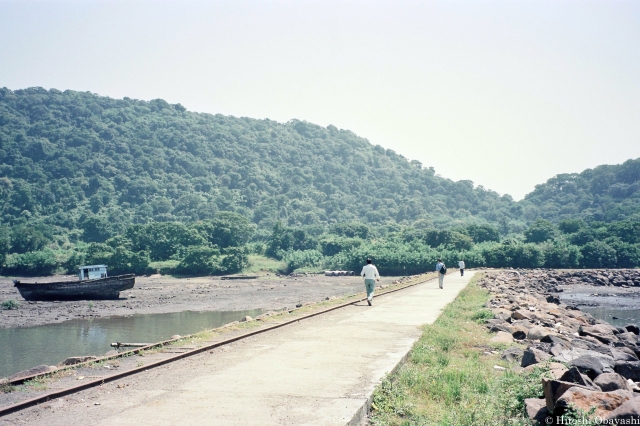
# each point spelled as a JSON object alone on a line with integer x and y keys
{"x": 76, "y": 160}
{"x": 606, "y": 193}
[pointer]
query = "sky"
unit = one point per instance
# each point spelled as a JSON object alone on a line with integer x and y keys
{"x": 504, "y": 93}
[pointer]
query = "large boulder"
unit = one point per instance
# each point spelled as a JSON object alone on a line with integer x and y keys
{"x": 585, "y": 399}
{"x": 573, "y": 375}
{"x": 521, "y": 314}
{"x": 608, "y": 382}
{"x": 629, "y": 410}
{"x": 623, "y": 354}
{"x": 536, "y": 409}
{"x": 554, "y": 389}
{"x": 589, "y": 365}
{"x": 554, "y": 339}
{"x": 602, "y": 332}
{"x": 628, "y": 369}
{"x": 538, "y": 333}
{"x": 502, "y": 337}
{"x": 533, "y": 356}
{"x": 627, "y": 338}
{"x": 633, "y": 329}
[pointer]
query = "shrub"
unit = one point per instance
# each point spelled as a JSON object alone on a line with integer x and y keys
{"x": 9, "y": 304}
{"x": 301, "y": 259}
{"x": 598, "y": 254}
{"x": 200, "y": 260}
{"x": 32, "y": 264}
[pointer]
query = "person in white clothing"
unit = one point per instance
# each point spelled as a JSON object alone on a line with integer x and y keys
{"x": 370, "y": 275}
{"x": 461, "y": 265}
{"x": 442, "y": 270}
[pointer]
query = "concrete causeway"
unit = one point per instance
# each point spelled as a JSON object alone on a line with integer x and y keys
{"x": 320, "y": 371}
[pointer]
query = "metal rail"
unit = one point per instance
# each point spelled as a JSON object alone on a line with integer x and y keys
{"x": 90, "y": 384}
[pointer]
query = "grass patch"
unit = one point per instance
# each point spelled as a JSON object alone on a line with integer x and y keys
{"x": 165, "y": 267}
{"x": 259, "y": 263}
{"x": 449, "y": 377}
{"x": 7, "y": 388}
{"x": 9, "y": 304}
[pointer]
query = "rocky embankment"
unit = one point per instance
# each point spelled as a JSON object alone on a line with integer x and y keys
{"x": 593, "y": 364}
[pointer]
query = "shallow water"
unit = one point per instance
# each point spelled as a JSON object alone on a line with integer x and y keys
{"x": 23, "y": 348}
{"x": 614, "y": 316}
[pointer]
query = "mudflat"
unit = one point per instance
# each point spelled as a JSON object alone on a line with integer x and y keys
{"x": 163, "y": 294}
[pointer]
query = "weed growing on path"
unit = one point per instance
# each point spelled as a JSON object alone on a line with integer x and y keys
{"x": 449, "y": 378}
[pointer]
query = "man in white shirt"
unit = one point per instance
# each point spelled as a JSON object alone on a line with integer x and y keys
{"x": 370, "y": 275}
{"x": 461, "y": 265}
{"x": 441, "y": 272}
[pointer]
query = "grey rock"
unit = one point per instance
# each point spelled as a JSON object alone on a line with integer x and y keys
{"x": 589, "y": 365}
{"x": 513, "y": 354}
{"x": 502, "y": 337}
{"x": 40, "y": 369}
{"x": 628, "y": 369}
{"x": 536, "y": 409}
{"x": 608, "y": 382}
{"x": 633, "y": 329}
{"x": 623, "y": 354}
{"x": 533, "y": 356}
{"x": 573, "y": 375}
{"x": 77, "y": 360}
{"x": 537, "y": 333}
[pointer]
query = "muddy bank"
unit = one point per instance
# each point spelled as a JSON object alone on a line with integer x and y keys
{"x": 164, "y": 294}
{"x": 592, "y": 363}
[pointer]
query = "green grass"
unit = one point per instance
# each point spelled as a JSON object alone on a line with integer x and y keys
{"x": 259, "y": 263}
{"x": 9, "y": 304}
{"x": 449, "y": 377}
{"x": 164, "y": 266}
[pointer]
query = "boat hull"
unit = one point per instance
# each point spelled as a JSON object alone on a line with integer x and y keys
{"x": 98, "y": 289}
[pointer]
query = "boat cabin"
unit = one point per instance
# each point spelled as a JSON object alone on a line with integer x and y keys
{"x": 93, "y": 272}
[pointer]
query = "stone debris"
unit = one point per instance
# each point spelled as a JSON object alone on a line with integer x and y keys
{"x": 603, "y": 360}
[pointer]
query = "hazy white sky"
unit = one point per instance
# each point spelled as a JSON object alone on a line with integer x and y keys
{"x": 504, "y": 93}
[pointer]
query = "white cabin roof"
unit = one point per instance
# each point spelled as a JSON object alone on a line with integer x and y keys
{"x": 93, "y": 266}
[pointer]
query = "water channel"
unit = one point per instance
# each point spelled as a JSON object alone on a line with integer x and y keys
{"x": 23, "y": 348}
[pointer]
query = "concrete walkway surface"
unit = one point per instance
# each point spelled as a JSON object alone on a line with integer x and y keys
{"x": 320, "y": 371}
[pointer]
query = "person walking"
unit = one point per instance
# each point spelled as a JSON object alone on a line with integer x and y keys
{"x": 461, "y": 265}
{"x": 441, "y": 269}
{"x": 370, "y": 275}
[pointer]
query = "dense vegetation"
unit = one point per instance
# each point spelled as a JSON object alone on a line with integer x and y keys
{"x": 606, "y": 193}
{"x": 90, "y": 179}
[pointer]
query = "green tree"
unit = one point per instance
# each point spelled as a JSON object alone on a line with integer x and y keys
{"x": 97, "y": 229}
{"x": 27, "y": 238}
{"x": 226, "y": 229}
{"x": 482, "y": 233}
{"x": 33, "y": 263}
{"x": 235, "y": 260}
{"x": 5, "y": 243}
{"x": 163, "y": 240}
{"x": 200, "y": 260}
{"x": 571, "y": 226}
{"x": 351, "y": 230}
{"x": 331, "y": 245}
{"x": 598, "y": 254}
{"x": 627, "y": 255}
{"x": 540, "y": 231}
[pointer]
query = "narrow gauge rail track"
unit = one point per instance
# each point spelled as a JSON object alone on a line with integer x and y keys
{"x": 93, "y": 383}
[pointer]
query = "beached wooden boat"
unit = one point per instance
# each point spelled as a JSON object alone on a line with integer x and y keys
{"x": 88, "y": 289}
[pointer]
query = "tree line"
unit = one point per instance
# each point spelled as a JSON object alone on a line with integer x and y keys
{"x": 90, "y": 179}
